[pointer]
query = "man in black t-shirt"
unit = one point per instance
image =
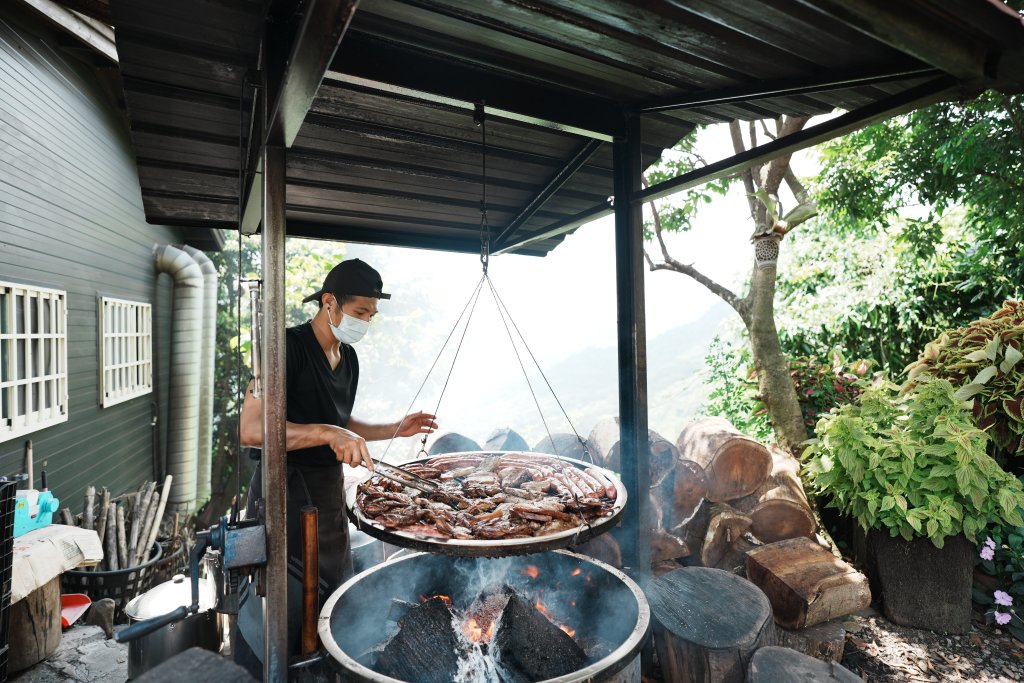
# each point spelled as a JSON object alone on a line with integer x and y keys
{"x": 322, "y": 374}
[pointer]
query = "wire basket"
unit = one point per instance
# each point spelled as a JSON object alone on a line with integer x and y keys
{"x": 120, "y": 585}
{"x": 7, "y": 492}
{"x": 174, "y": 560}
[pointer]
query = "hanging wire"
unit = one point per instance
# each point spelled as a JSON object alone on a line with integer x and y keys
{"x": 504, "y": 311}
{"x": 470, "y": 306}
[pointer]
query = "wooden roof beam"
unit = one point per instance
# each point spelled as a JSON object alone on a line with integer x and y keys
{"x": 386, "y": 66}
{"x": 552, "y": 186}
{"x": 922, "y": 95}
{"x": 765, "y": 90}
{"x": 312, "y": 48}
{"x": 394, "y": 238}
{"x": 919, "y": 96}
{"x": 900, "y": 25}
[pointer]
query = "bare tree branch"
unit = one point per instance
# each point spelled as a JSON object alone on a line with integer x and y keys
{"x": 764, "y": 128}
{"x": 746, "y": 174}
{"x": 795, "y": 186}
{"x": 777, "y": 166}
{"x": 670, "y": 263}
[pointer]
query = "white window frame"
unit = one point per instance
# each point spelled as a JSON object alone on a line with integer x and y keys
{"x": 23, "y": 396}
{"x": 126, "y": 350}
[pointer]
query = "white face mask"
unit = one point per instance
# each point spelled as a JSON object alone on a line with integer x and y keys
{"x": 349, "y": 330}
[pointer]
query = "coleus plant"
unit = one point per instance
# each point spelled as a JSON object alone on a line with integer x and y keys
{"x": 911, "y": 462}
{"x": 985, "y": 361}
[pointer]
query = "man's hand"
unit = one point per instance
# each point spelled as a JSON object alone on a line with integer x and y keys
{"x": 417, "y": 423}
{"x": 349, "y": 447}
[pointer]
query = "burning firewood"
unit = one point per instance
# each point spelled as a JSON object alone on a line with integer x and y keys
{"x": 533, "y": 646}
{"x": 425, "y": 647}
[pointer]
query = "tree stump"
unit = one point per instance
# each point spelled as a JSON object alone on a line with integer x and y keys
{"x": 708, "y": 624}
{"x": 821, "y": 641}
{"x": 778, "y": 509}
{"x": 774, "y": 664}
{"x": 506, "y": 439}
{"x": 34, "y": 626}
{"x": 735, "y": 465}
{"x": 452, "y": 442}
{"x": 924, "y": 586}
{"x": 564, "y": 444}
{"x": 805, "y": 583}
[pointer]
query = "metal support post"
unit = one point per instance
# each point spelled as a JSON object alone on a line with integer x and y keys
{"x": 632, "y": 343}
{"x": 275, "y": 604}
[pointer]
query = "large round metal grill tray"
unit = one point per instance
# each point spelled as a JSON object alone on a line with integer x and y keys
{"x": 501, "y": 547}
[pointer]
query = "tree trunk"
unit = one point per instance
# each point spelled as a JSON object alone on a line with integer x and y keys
{"x": 774, "y": 382}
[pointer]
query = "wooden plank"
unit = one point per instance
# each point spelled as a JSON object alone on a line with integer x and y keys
{"x": 805, "y": 583}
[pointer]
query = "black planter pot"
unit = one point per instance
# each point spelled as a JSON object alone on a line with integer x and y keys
{"x": 922, "y": 586}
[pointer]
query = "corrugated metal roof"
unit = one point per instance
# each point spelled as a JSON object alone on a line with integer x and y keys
{"x": 389, "y": 153}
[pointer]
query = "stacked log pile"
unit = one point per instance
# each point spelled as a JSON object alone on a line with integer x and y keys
{"x": 127, "y": 525}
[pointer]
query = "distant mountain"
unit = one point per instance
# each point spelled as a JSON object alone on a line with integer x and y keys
{"x": 587, "y": 386}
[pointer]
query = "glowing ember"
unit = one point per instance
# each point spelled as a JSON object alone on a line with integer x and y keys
{"x": 576, "y": 572}
{"x": 543, "y": 610}
{"x": 443, "y": 598}
{"x": 531, "y": 571}
{"x": 473, "y": 630}
{"x": 568, "y": 631}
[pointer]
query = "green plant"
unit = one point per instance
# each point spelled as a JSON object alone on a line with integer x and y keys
{"x": 820, "y": 387}
{"x": 733, "y": 390}
{"x": 1001, "y": 556}
{"x": 984, "y": 361}
{"x": 913, "y": 463}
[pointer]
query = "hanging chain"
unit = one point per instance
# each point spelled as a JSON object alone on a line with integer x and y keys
{"x": 480, "y": 119}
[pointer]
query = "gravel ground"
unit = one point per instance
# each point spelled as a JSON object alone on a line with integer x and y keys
{"x": 882, "y": 652}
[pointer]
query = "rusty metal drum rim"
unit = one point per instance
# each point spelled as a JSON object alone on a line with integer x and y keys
{"x": 504, "y": 547}
{"x": 604, "y": 668}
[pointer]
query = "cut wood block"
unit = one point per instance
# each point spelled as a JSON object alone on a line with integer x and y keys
{"x": 805, "y": 583}
{"x": 735, "y": 465}
{"x": 196, "y": 665}
{"x": 689, "y": 487}
{"x": 821, "y": 641}
{"x": 604, "y": 445}
{"x": 735, "y": 558}
{"x": 665, "y": 546}
{"x": 708, "y": 624}
{"x": 35, "y": 626}
{"x": 778, "y": 509}
{"x": 774, "y": 664}
{"x": 725, "y": 527}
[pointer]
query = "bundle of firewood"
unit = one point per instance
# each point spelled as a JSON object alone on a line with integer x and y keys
{"x": 127, "y": 524}
{"x": 714, "y": 494}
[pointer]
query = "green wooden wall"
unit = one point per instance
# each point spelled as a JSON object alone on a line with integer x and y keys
{"x": 71, "y": 218}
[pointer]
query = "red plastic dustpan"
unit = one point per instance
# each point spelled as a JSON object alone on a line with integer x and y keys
{"x": 72, "y": 606}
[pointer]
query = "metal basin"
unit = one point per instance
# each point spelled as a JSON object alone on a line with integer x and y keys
{"x": 607, "y": 607}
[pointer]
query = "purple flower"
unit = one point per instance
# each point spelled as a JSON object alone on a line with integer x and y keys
{"x": 990, "y": 543}
{"x": 1002, "y": 618}
{"x": 1003, "y": 598}
{"x": 987, "y": 553}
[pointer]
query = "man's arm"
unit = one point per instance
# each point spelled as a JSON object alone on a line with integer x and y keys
{"x": 349, "y": 447}
{"x": 412, "y": 424}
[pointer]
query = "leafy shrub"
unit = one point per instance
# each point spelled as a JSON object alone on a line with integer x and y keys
{"x": 913, "y": 463}
{"x": 820, "y": 387}
{"x": 984, "y": 361}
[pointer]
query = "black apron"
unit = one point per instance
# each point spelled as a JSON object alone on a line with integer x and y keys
{"x": 324, "y": 488}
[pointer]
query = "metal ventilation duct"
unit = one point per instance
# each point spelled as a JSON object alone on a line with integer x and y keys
{"x": 206, "y": 373}
{"x": 186, "y": 353}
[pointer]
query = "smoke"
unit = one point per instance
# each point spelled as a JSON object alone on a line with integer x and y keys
{"x": 599, "y": 606}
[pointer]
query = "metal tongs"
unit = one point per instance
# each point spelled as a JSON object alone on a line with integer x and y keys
{"x": 404, "y": 477}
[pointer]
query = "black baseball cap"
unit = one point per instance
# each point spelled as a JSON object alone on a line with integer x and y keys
{"x": 353, "y": 277}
